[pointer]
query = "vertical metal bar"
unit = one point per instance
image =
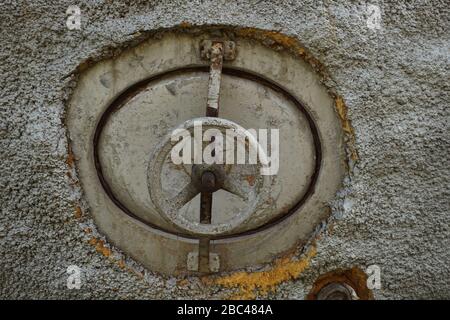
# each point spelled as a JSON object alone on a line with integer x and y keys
{"x": 215, "y": 76}
{"x": 205, "y": 207}
{"x": 203, "y": 255}
{"x": 203, "y": 244}
{"x": 212, "y": 110}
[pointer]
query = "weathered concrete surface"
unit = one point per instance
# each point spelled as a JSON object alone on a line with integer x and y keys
{"x": 393, "y": 213}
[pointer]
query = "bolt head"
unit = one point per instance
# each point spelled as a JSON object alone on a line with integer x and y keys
{"x": 335, "y": 291}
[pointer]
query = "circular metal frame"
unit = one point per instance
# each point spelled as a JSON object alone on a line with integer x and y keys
{"x": 133, "y": 90}
{"x": 169, "y": 207}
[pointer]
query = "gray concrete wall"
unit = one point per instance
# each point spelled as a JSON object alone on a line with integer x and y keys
{"x": 393, "y": 212}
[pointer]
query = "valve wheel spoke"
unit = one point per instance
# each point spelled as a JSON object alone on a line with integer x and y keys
{"x": 237, "y": 187}
{"x": 184, "y": 196}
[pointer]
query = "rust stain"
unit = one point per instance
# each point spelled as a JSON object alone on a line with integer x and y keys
{"x": 70, "y": 158}
{"x": 84, "y": 65}
{"x": 93, "y": 241}
{"x": 121, "y": 264}
{"x": 136, "y": 273}
{"x": 70, "y": 162}
{"x": 341, "y": 109}
{"x": 276, "y": 37}
{"x": 103, "y": 250}
{"x": 182, "y": 282}
{"x": 331, "y": 228}
{"x": 261, "y": 283}
{"x": 185, "y": 24}
{"x": 354, "y": 277}
{"x": 250, "y": 180}
{"x": 274, "y": 40}
{"x": 78, "y": 212}
{"x": 99, "y": 247}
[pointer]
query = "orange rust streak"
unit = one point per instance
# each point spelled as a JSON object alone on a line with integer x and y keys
{"x": 78, "y": 212}
{"x": 250, "y": 180}
{"x": 121, "y": 264}
{"x": 99, "y": 247}
{"x": 185, "y": 24}
{"x": 341, "y": 109}
{"x": 70, "y": 159}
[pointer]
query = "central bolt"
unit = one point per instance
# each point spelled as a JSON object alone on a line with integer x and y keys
{"x": 208, "y": 181}
{"x": 336, "y": 291}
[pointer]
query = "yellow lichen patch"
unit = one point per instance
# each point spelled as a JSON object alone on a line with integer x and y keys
{"x": 253, "y": 284}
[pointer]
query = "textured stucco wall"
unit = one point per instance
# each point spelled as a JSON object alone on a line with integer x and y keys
{"x": 394, "y": 211}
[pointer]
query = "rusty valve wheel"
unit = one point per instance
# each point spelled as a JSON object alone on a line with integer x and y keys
{"x": 242, "y": 180}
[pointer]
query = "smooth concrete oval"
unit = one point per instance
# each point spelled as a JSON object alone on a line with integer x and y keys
{"x": 161, "y": 251}
{"x": 132, "y": 133}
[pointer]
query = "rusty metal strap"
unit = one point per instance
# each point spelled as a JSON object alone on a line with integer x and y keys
{"x": 215, "y": 75}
